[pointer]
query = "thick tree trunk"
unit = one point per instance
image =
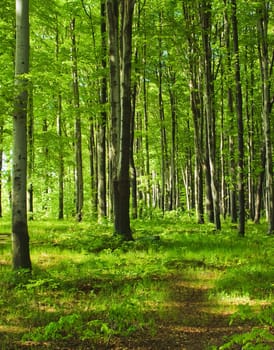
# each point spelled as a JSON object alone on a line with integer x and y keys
{"x": 20, "y": 237}
{"x": 120, "y": 38}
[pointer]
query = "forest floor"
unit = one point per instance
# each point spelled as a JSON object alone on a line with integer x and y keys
{"x": 177, "y": 292}
{"x": 188, "y": 321}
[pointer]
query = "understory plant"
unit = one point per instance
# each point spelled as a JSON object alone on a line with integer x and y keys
{"x": 260, "y": 337}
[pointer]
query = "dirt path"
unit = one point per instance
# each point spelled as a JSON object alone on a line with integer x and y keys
{"x": 188, "y": 321}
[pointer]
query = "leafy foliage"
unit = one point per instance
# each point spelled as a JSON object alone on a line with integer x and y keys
{"x": 89, "y": 285}
{"x": 259, "y": 338}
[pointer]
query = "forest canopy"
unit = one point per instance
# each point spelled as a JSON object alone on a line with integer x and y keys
{"x": 137, "y": 106}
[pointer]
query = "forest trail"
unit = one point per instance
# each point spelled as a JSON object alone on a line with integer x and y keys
{"x": 190, "y": 321}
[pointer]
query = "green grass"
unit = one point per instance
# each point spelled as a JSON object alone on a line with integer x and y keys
{"x": 87, "y": 284}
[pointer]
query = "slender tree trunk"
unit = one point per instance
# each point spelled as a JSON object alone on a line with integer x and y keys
{"x": 78, "y": 132}
{"x": 209, "y": 109}
{"x": 266, "y": 115}
{"x": 196, "y": 108}
{"x": 1, "y": 164}
{"x": 59, "y": 124}
{"x": 162, "y": 120}
{"x": 115, "y": 96}
{"x": 231, "y": 142}
{"x": 46, "y": 175}
{"x": 102, "y": 181}
{"x": 20, "y": 236}
{"x": 30, "y": 151}
{"x": 133, "y": 174}
{"x": 239, "y": 110}
{"x": 93, "y": 167}
{"x": 222, "y": 158}
{"x": 146, "y": 127}
{"x": 250, "y": 143}
{"x": 61, "y": 172}
{"x": 173, "y": 174}
{"x": 259, "y": 191}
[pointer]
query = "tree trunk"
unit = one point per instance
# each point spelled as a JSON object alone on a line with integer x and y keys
{"x": 266, "y": 115}
{"x": 164, "y": 166}
{"x": 30, "y": 151}
{"x": 102, "y": 182}
{"x": 78, "y": 133}
{"x": 61, "y": 172}
{"x": 259, "y": 191}
{"x": 20, "y": 236}
{"x": 173, "y": 155}
{"x": 239, "y": 110}
{"x": 120, "y": 69}
{"x": 59, "y": 127}
{"x": 196, "y": 108}
{"x": 231, "y": 142}
{"x": 209, "y": 109}
{"x": 148, "y": 199}
{"x": 1, "y": 164}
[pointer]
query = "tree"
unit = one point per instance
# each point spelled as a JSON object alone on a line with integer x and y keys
{"x": 102, "y": 180}
{"x": 266, "y": 70}
{"x": 1, "y": 162}
{"x": 210, "y": 111}
{"x": 239, "y": 111}
{"x": 79, "y": 200}
{"x": 120, "y": 16}
{"x": 20, "y": 237}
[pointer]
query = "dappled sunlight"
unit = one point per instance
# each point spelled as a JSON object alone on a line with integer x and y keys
{"x": 12, "y": 330}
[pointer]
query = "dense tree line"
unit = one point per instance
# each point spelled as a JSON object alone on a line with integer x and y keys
{"x": 134, "y": 106}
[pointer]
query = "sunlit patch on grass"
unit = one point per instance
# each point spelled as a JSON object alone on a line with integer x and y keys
{"x": 11, "y": 329}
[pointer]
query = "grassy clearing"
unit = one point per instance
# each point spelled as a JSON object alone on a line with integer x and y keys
{"x": 88, "y": 285}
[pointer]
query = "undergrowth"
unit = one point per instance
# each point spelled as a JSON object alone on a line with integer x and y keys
{"x": 88, "y": 284}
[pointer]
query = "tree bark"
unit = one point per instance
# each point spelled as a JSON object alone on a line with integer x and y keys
{"x": 266, "y": 109}
{"x": 196, "y": 108}
{"x": 78, "y": 133}
{"x": 102, "y": 182}
{"x": 1, "y": 164}
{"x": 209, "y": 108}
{"x": 59, "y": 127}
{"x": 239, "y": 110}
{"x": 231, "y": 142}
{"x": 120, "y": 15}
{"x": 20, "y": 236}
{"x": 30, "y": 151}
